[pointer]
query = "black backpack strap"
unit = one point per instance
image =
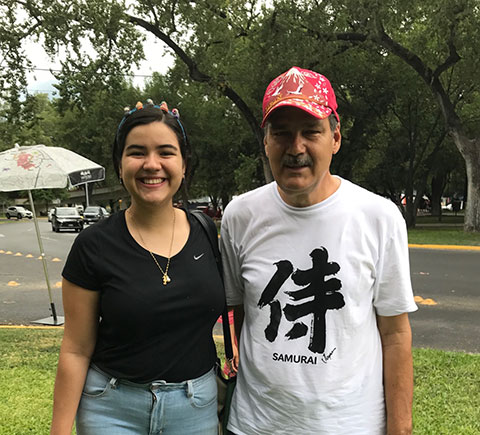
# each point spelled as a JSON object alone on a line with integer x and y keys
{"x": 211, "y": 231}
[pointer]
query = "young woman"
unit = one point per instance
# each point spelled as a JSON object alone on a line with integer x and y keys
{"x": 141, "y": 293}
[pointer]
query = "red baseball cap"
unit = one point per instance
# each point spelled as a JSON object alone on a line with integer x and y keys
{"x": 302, "y": 88}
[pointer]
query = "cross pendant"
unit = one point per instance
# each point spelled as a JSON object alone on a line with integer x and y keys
{"x": 166, "y": 279}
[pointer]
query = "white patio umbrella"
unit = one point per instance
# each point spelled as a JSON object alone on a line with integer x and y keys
{"x": 41, "y": 167}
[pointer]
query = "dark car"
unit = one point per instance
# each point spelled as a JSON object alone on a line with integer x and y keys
{"x": 66, "y": 218}
{"x": 94, "y": 213}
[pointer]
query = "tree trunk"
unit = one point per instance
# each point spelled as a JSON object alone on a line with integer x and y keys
{"x": 470, "y": 150}
{"x": 184, "y": 195}
{"x": 225, "y": 200}
{"x": 410, "y": 210}
{"x": 438, "y": 186}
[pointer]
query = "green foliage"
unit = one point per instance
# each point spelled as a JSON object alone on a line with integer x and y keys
{"x": 391, "y": 123}
{"x": 47, "y": 196}
{"x": 90, "y": 131}
{"x": 246, "y": 174}
{"x": 79, "y": 25}
{"x": 35, "y": 122}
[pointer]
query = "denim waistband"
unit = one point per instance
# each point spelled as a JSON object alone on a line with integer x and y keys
{"x": 154, "y": 384}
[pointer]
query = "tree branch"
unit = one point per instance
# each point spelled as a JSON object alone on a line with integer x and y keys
{"x": 432, "y": 80}
{"x": 453, "y": 57}
{"x": 223, "y": 15}
{"x": 197, "y": 75}
{"x": 345, "y": 36}
{"x": 382, "y": 38}
{"x": 154, "y": 12}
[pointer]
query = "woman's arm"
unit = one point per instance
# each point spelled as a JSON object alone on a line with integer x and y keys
{"x": 233, "y": 336}
{"x": 81, "y": 308}
{"x": 238, "y": 315}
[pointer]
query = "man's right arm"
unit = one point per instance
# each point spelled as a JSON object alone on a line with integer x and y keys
{"x": 232, "y": 276}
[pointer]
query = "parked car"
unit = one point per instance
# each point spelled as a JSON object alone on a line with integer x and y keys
{"x": 18, "y": 212}
{"x": 94, "y": 213}
{"x": 66, "y": 218}
{"x": 210, "y": 211}
{"x": 50, "y": 212}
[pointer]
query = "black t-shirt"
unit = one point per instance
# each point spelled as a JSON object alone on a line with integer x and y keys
{"x": 149, "y": 331}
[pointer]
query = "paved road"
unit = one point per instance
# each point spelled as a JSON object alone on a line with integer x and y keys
{"x": 452, "y": 280}
{"x": 447, "y": 279}
{"x": 23, "y": 291}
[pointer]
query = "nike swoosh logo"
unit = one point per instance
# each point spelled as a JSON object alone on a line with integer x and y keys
{"x": 197, "y": 257}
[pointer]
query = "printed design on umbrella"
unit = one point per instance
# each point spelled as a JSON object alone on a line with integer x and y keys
{"x": 25, "y": 160}
{"x": 28, "y": 161}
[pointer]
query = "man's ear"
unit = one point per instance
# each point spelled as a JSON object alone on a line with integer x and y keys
{"x": 337, "y": 138}
{"x": 265, "y": 144}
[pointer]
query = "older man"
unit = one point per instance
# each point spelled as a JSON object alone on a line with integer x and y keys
{"x": 317, "y": 271}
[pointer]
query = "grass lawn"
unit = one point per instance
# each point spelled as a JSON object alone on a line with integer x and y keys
{"x": 429, "y": 231}
{"x": 447, "y": 386}
{"x": 442, "y": 236}
{"x": 27, "y": 370}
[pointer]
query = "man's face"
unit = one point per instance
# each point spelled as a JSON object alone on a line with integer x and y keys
{"x": 299, "y": 148}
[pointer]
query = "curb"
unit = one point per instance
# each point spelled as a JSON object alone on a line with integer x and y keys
{"x": 446, "y": 247}
{"x": 29, "y": 327}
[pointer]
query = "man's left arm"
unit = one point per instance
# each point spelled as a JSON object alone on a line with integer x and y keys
{"x": 396, "y": 337}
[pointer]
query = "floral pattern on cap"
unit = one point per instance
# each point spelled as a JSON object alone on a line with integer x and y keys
{"x": 302, "y": 88}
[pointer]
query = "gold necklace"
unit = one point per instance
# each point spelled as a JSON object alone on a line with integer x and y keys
{"x": 166, "y": 279}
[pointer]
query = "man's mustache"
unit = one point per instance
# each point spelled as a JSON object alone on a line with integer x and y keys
{"x": 297, "y": 161}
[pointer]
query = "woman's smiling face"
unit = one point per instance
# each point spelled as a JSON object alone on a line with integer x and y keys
{"x": 152, "y": 166}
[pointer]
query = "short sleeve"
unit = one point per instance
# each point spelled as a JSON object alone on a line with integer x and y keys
{"x": 83, "y": 261}
{"x": 393, "y": 293}
{"x": 231, "y": 266}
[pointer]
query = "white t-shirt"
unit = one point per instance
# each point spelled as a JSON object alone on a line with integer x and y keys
{"x": 311, "y": 281}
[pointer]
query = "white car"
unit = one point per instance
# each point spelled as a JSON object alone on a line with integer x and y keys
{"x": 18, "y": 212}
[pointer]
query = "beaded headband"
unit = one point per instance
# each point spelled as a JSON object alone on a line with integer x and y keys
{"x": 149, "y": 104}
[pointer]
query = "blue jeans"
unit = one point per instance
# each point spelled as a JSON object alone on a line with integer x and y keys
{"x": 111, "y": 406}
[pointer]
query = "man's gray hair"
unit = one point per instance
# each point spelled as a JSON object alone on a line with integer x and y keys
{"x": 333, "y": 122}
